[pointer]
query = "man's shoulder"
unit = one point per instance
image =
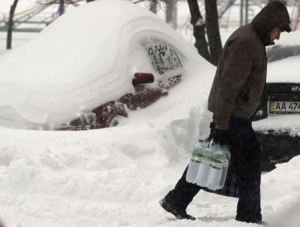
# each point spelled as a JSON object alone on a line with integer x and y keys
{"x": 245, "y": 35}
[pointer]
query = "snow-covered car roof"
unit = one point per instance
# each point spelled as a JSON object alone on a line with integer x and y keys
{"x": 85, "y": 58}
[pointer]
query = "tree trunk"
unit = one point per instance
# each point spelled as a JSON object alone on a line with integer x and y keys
{"x": 153, "y": 6}
{"x": 212, "y": 31}
{"x": 171, "y": 12}
{"x": 61, "y": 8}
{"x": 10, "y": 25}
{"x": 199, "y": 29}
{"x": 211, "y": 51}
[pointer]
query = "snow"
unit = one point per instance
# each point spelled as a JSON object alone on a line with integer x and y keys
{"x": 115, "y": 177}
{"x": 285, "y": 66}
{"x": 279, "y": 123}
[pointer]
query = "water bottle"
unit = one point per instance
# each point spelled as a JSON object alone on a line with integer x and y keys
{"x": 204, "y": 169}
{"x": 216, "y": 169}
{"x": 195, "y": 163}
{"x": 225, "y": 149}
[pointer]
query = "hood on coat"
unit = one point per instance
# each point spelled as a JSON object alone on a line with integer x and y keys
{"x": 273, "y": 14}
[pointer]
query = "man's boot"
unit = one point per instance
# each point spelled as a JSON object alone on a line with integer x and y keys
{"x": 178, "y": 213}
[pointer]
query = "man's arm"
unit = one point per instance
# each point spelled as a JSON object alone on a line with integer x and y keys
{"x": 235, "y": 70}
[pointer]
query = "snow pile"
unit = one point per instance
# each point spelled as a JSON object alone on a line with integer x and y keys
{"x": 110, "y": 177}
{"x": 115, "y": 177}
{"x": 280, "y": 193}
{"x": 284, "y": 186}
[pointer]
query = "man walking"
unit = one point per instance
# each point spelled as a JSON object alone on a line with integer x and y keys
{"x": 235, "y": 96}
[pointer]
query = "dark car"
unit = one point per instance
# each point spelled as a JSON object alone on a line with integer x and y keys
{"x": 276, "y": 119}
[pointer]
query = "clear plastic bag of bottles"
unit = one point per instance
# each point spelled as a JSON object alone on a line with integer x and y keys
{"x": 209, "y": 165}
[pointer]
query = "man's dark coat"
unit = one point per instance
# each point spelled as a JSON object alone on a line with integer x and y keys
{"x": 241, "y": 74}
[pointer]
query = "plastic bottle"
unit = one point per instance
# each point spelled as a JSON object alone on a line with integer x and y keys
{"x": 195, "y": 163}
{"x": 205, "y": 165}
{"x": 216, "y": 169}
{"x": 225, "y": 149}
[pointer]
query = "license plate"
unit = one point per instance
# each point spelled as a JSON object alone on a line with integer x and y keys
{"x": 284, "y": 107}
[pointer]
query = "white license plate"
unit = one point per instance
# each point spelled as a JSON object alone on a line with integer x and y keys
{"x": 276, "y": 107}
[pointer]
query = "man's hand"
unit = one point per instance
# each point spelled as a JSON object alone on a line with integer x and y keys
{"x": 218, "y": 136}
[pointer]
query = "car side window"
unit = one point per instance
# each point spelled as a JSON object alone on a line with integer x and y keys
{"x": 164, "y": 57}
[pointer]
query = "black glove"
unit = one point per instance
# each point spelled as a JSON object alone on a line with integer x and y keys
{"x": 218, "y": 136}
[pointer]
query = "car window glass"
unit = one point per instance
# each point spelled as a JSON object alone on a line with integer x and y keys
{"x": 163, "y": 56}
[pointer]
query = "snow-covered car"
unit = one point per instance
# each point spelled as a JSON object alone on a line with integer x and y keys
{"x": 277, "y": 120}
{"x": 91, "y": 65}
